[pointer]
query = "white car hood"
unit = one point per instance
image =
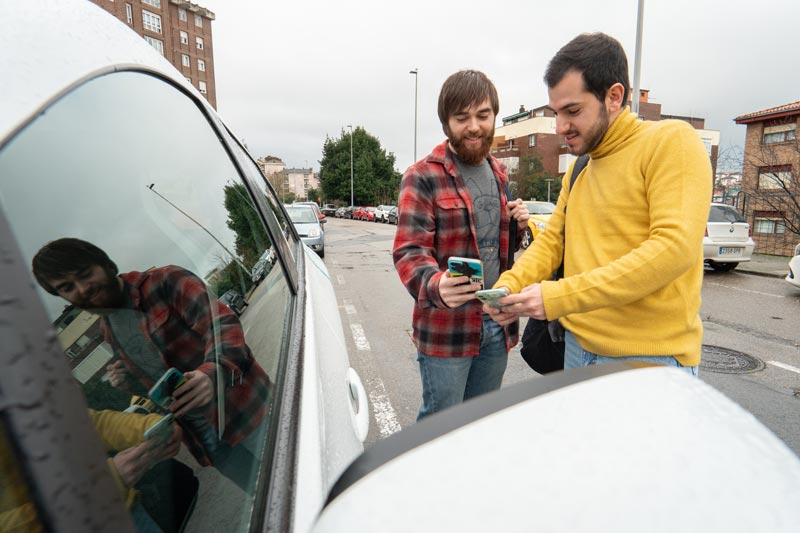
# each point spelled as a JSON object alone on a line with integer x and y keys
{"x": 642, "y": 450}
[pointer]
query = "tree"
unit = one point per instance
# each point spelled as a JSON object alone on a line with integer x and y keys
{"x": 776, "y": 187}
{"x": 314, "y": 195}
{"x": 529, "y": 181}
{"x": 244, "y": 221}
{"x": 375, "y": 180}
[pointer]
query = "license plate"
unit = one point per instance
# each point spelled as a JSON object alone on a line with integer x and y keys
{"x": 729, "y": 251}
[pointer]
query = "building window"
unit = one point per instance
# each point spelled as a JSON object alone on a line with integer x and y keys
{"x": 201, "y": 65}
{"x": 185, "y": 60}
{"x": 129, "y": 13}
{"x": 780, "y": 134}
{"x": 202, "y": 86}
{"x": 511, "y": 144}
{"x": 151, "y": 21}
{"x": 777, "y": 177}
{"x": 155, "y": 43}
{"x": 531, "y": 140}
{"x": 564, "y": 160}
{"x": 198, "y": 21}
{"x": 154, "y": 3}
{"x": 199, "y": 41}
{"x": 184, "y": 37}
{"x": 768, "y": 222}
{"x": 182, "y": 14}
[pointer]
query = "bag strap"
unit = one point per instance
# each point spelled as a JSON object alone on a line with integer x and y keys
{"x": 577, "y": 168}
{"x": 512, "y": 234}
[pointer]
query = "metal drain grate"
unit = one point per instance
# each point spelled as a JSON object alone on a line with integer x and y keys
{"x": 725, "y": 361}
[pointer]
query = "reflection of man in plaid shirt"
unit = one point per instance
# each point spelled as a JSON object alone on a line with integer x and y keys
{"x": 161, "y": 319}
{"x": 453, "y": 203}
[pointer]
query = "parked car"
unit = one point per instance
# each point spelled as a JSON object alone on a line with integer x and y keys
{"x": 391, "y": 218}
{"x": 308, "y": 227}
{"x": 382, "y": 213}
{"x": 793, "y": 276}
{"x": 539, "y": 215}
{"x": 727, "y": 241}
{"x": 263, "y": 266}
{"x": 317, "y": 211}
{"x": 235, "y": 301}
{"x": 150, "y": 203}
{"x": 340, "y": 212}
{"x": 367, "y": 214}
{"x": 355, "y": 213}
{"x": 328, "y": 210}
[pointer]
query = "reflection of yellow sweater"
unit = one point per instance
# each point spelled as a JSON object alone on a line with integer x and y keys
{"x": 634, "y": 255}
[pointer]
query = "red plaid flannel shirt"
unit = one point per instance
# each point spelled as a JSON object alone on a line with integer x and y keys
{"x": 177, "y": 318}
{"x": 436, "y": 221}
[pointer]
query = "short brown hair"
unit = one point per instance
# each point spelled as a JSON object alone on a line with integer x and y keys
{"x": 67, "y": 256}
{"x": 463, "y": 89}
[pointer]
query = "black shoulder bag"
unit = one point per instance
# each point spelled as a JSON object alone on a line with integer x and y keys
{"x": 543, "y": 340}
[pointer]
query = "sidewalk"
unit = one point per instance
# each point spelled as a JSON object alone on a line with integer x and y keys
{"x": 775, "y": 266}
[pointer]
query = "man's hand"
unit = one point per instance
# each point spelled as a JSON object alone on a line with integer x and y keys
{"x": 196, "y": 392}
{"x": 118, "y": 376}
{"x": 132, "y": 463}
{"x": 456, "y": 290}
{"x": 528, "y": 303}
{"x": 518, "y": 211}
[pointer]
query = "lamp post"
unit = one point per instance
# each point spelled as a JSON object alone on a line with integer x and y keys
{"x": 415, "y": 72}
{"x": 548, "y": 180}
{"x": 637, "y": 62}
{"x": 351, "y": 163}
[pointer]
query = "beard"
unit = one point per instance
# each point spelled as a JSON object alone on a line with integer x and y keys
{"x": 471, "y": 155}
{"x": 594, "y": 136}
{"x": 107, "y": 295}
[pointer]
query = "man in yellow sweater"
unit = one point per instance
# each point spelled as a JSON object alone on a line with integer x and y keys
{"x": 631, "y": 231}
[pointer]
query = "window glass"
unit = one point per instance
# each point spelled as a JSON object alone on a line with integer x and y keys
{"x": 149, "y": 239}
{"x": 151, "y": 21}
{"x": 724, "y": 213}
{"x": 184, "y": 37}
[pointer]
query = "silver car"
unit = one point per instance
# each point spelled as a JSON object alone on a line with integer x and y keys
{"x": 308, "y": 227}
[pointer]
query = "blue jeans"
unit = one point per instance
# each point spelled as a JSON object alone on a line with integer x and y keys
{"x": 447, "y": 381}
{"x": 575, "y": 356}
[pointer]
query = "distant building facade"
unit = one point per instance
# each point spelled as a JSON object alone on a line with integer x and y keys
{"x": 771, "y": 178}
{"x": 179, "y": 30}
{"x": 533, "y": 133}
{"x": 270, "y": 164}
{"x": 300, "y": 180}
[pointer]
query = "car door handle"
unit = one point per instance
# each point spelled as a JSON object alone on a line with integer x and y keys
{"x": 359, "y": 404}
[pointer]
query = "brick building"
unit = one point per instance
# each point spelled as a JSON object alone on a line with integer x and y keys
{"x": 533, "y": 132}
{"x": 179, "y": 30}
{"x": 770, "y": 198}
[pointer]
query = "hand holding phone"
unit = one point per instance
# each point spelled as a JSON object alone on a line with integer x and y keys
{"x": 490, "y": 297}
{"x": 162, "y": 393}
{"x": 162, "y": 430}
{"x": 465, "y": 266}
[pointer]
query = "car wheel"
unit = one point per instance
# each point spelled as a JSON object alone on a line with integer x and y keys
{"x": 723, "y": 267}
{"x": 321, "y": 253}
{"x": 527, "y": 239}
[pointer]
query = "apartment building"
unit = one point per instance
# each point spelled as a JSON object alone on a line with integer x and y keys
{"x": 770, "y": 198}
{"x": 300, "y": 180}
{"x": 533, "y": 133}
{"x": 179, "y": 30}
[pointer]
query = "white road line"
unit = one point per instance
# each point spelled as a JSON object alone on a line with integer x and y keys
{"x": 385, "y": 415}
{"x": 358, "y": 336}
{"x": 784, "y": 366}
{"x": 745, "y": 290}
{"x": 349, "y": 308}
{"x": 340, "y": 279}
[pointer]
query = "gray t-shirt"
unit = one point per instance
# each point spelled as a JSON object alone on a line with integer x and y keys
{"x": 482, "y": 187}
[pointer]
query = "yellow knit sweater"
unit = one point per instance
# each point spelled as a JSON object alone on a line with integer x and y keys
{"x": 633, "y": 265}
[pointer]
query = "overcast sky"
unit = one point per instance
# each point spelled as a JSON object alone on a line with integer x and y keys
{"x": 290, "y": 73}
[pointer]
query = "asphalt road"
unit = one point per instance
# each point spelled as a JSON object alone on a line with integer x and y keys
{"x": 751, "y": 315}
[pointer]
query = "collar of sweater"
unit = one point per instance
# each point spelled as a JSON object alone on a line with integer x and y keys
{"x": 618, "y": 132}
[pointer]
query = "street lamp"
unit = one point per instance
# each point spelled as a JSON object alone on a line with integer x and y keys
{"x": 351, "y": 163}
{"x": 415, "y": 72}
{"x": 548, "y": 180}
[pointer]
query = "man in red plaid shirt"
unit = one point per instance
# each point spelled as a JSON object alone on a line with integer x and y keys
{"x": 163, "y": 318}
{"x": 454, "y": 203}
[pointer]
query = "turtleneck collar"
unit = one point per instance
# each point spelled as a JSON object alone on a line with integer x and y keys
{"x": 618, "y": 132}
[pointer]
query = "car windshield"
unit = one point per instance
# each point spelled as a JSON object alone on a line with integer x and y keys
{"x": 540, "y": 208}
{"x": 724, "y": 213}
{"x": 302, "y": 215}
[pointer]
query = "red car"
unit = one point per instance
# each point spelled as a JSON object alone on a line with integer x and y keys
{"x": 367, "y": 213}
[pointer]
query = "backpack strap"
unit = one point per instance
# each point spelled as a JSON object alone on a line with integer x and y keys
{"x": 577, "y": 168}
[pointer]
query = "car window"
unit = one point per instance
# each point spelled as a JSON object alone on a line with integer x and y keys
{"x": 134, "y": 230}
{"x": 301, "y": 215}
{"x": 724, "y": 213}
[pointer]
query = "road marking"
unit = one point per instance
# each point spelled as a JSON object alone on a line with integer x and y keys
{"x": 340, "y": 279}
{"x": 784, "y": 366}
{"x": 385, "y": 415}
{"x": 358, "y": 336}
{"x": 746, "y": 290}
{"x": 349, "y": 308}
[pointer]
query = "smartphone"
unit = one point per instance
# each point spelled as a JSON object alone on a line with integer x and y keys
{"x": 162, "y": 392}
{"x": 465, "y": 266}
{"x": 490, "y": 296}
{"x": 161, "y": 430}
